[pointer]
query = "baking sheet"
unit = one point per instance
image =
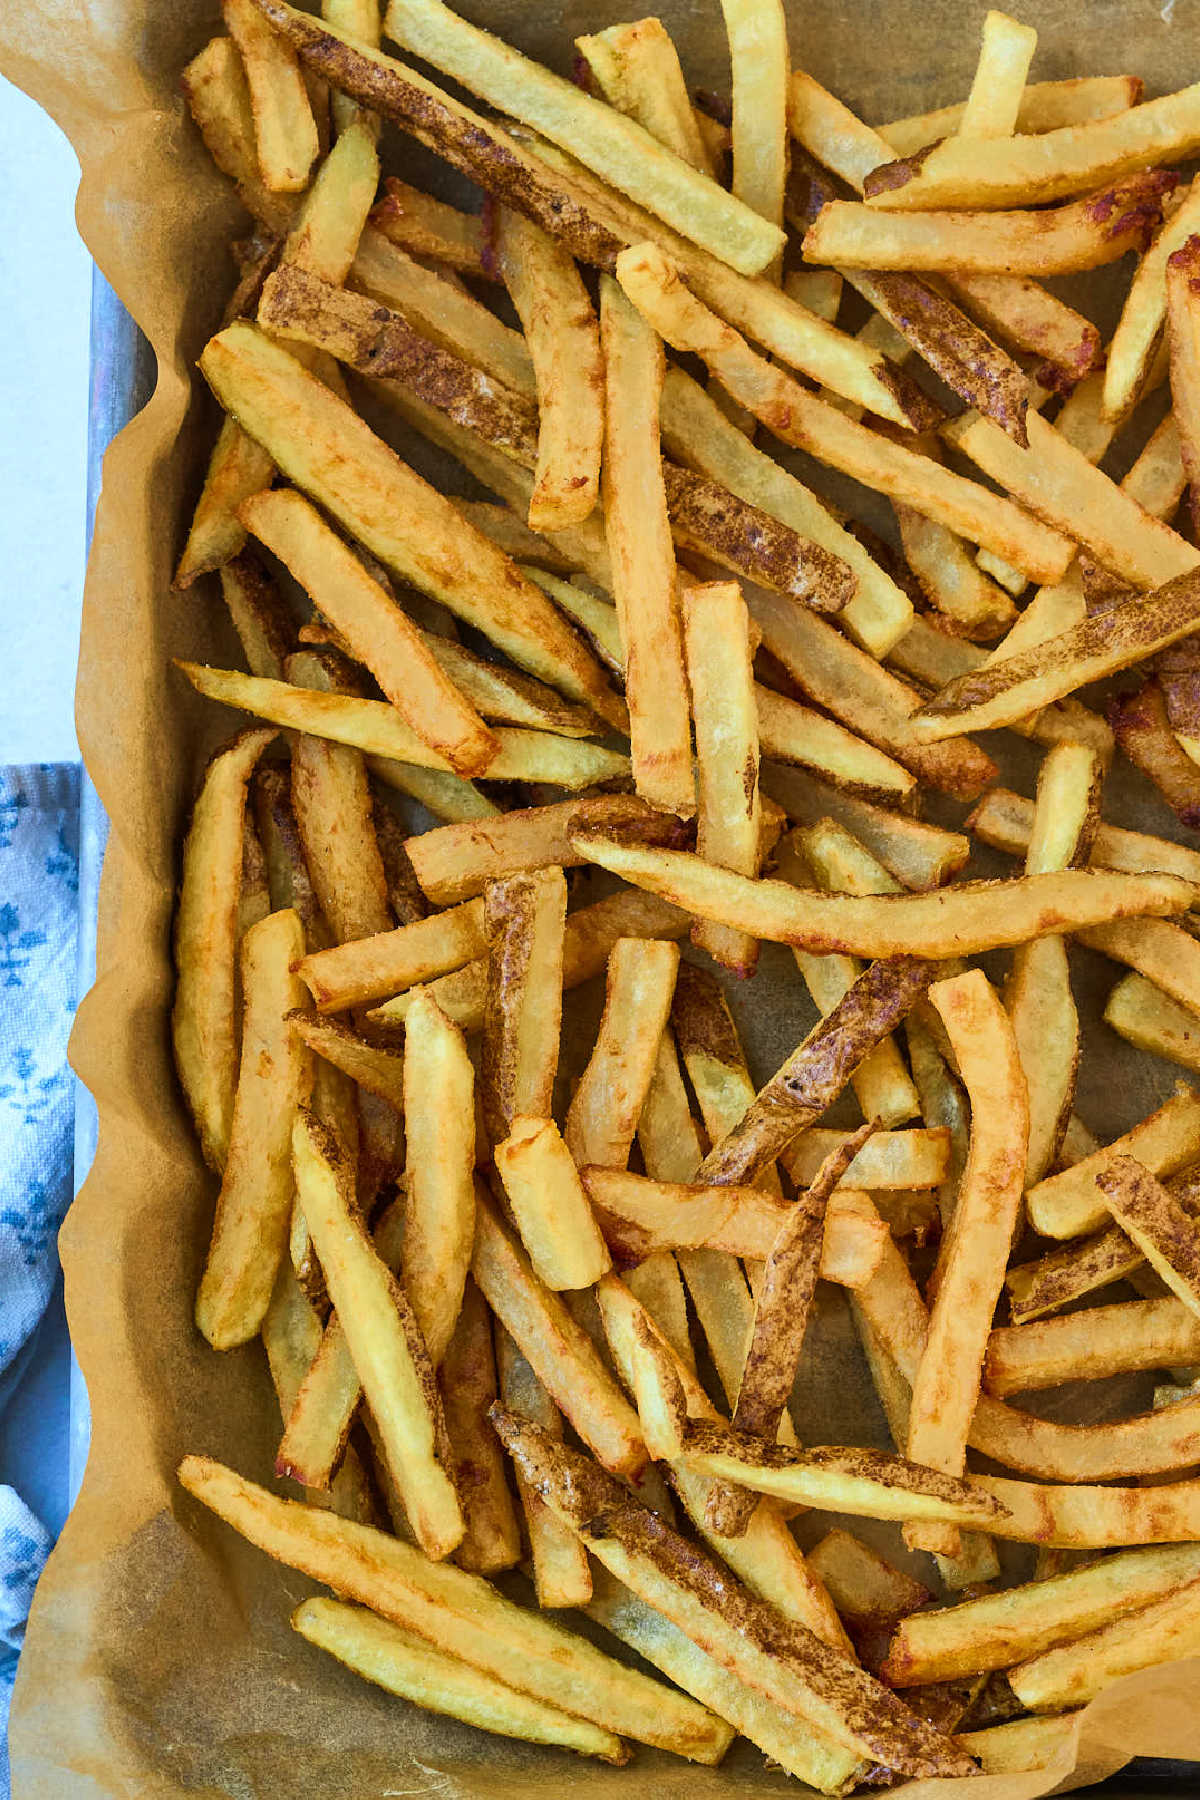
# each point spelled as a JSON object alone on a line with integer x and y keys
{"x": 159, "y": 1661}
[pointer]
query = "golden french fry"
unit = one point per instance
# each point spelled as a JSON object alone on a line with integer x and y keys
{"x": 951, "y": 579}
{"x": 1083, "y": 234}
{"x": 1142, "y": 726}
{"x": 720, "y": 675}
{"x": 455, "y": 1611}
{"x": 1138, "y": 332}
{"x": 564, "y": 344}
{"x": 238, "y": 469}
{"x": 1150, "y": 1019}
{"x": 1102, "y": 1341}
{"x": 758, "y": 55}
{"x": 360, "y": 19}
{"x": 376, "y": 728}
{"x": 524, "y": 918}
{"x": 255, "y": 1202}
{"x": 919, "y": 856}
{"x": 1005, "y": 820}
{"x": 1155, "y": 1221}
{"x": 558, "y": 1350}
{"x": 891, "y": 1160}
{"x": 1068, "y": 1674}
{"x": 993, "y": 105}
{"x": 637, "y": 69}
{"x": 1070, "y": 1203}
{"x": 369, "y": 968}
{"x": 423, "y": 226}
{"x": 713, "y": 522}
{"x": 439, "y": 1123}
{"x": 1157, "y": 480}
{"x": 785, "y": 1662}
{"x": 1044, "y": 106}
{"x": 864, "y": 1587}
{"x": 550, "y": 1206}
{"x": 562, "y": 1572}
{"x": 218, "y": 98}
{"x": 603, "y": 1116}
{"x": 405, "y": 1664}
{"x": 379, "y": 1071}
{"x": 284, "y": 128}
{"x": 1025, "y": 1744}
{"x": 492, "y": 1539}
{"x": 260, "y": 617}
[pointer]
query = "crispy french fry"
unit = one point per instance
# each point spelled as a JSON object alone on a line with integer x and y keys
{"x": 377, "y": 630}
{"x": 1070, "y": 1203}
{"x": 1156, "y": 1222}
{"x": 379, "y": 1071}
{"x": 1044, "y": 106}
{"x": 719, "y": 659}
{"x": 492, "y": 1539}
{"x": 384, "y": 1342}
{"x": 454, "y": 1610}
{"x": 918, "y": 855}
{"x": 1102, "y": 1341}
{"x": 1095, "y": 1518}
{"x": 1142, "y": 727}
{"x": 237, "y": 469}
{"x": 1139, "y": 329}
{"x": 954, "y": 923}
{"x": 550, "y": 1206}
{"x": 561, "y": 1568}
{"x": 1164, "y": 1631}
{"x": 713, "y": 522}
{"x": 368, "y": 968}
{"x": 643, "y": 562}
{"x": 953, "y": 583}
{"x": 993, "y": 105}
{"x": 360, "y": 19}
{"x": 214, "y": 83}
{"x": 446, "y": 797}
{"x": 786, "y": 1663}
{"x": 1150, "y": 1019}
{"x": 758, "y": 55}
{"x": 376, "y": 728}
{"x": 405, "y": 1664}
{"x": 439, "y": 1120}
{"x": 1084, "y": 234}
{"x": 524, "y": 917}
{"x": 864, "y": 1587}
{"x": 1157, "y": 480}
{"x": 1025, "y": 1744}
{"x": 798, "y": 417}
{"x": 892, "y": 1160}
{"x": 603, "y": 1116}
{"x": 564, "y": 344}
{"x": 1005, "y": 820}
{"x": 423, "y": 226}
{"x": 203, "y": 1021}
{"x": 1030, "y": 318}
{"x": 260, "y": 617}
{"x": 284, "y": 128}
{"x": 637, "y": 69}
{"x": 291, "y": 1334}
{"x": 1166, "y": 957}
{"x": 793, "y": 733}
{"x": 946, "y": 1381}
{"x": 327, "y": 450}
{"x": 255, "y": 1202}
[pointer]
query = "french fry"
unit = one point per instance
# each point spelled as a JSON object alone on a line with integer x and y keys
{"x": 895, "y": 1161}
{"x": 1025, "y": 1744}
{"x": 360, "y": 19}
{"x": 719, "y": 657}
{"x": 1168, "y": 957}
{"x": 946, "y": 1382}
{"x": 1151, "y": 1216}
{"x": 214, "y": 84}
{"x": 561, "y": 1568}
{"x": 337, "y": 459}
{"x": 1083, "y": 234}
{"x": 1094, "y": 1518}
{"x": 697, "y": 433}
{"x": 405, "y": 1664}
{"x": 818, "y": 290}
{"x": 781, "y": 1310}
{"x": 1050, "y": 166}
{"x": 587, "y": 944}
{"x": 1143, "y": 315}
{"x": 1044, "y": 106}
{"x": 447, "y": 797}
{"x": 1030, "y": 318}
{"x": 237, "y": 469}
{"x": 379, "y": 1071}
{"x": 637, "y": 69}
{"x": 259, "y": 614}
{"x": 376, "y": 728}
{"x": 1068, "y": 1204}
{"x": 284, "y": 128}
{"x": 954, "y": 923}
{"x": 446, "y": 315}
{"x": 603, "y": 1115}
{"x": 783, "y": 1662}
{"x": 423, "y": 226}
{"x": 203, "y": 1021}
{"x": 758, "y": 55}
{"x": 334, "y": 815}
{"x": 1090, "y": 1345}
{"x": 951, "y": 579}
{"x": 457, "y": 1612}
{"x": 557, "y": 1349}
{"x": 793, "y": 733}
{"x": 1004, "y": 820}
{"x": 1068, "y": 1674}
{"x": 864, "y": 1587}
{"x": 1157, "y": 480}
{"x": 564, "y": 344}
{"x": 369, "y": 968}
{"x": 524, "y": 919}
{"x": 439, "y": 1122}
{"x": 378, "y": 632}
{"x": 492, "y": 1539}
{"x": 1142, "y": 727}
{"x": 1151, "y": 1020}
{"x": 550, "y": 1206}
{"x": 798, "y": 417}
{"x": 795, "y": 1746}
{"x": 1124, "y": 634}
{"x": 384, "y": 1342}
{"x": 918, "y": 855}
{"x": 993, "y": 105}
{"x": 291, "y": 1335}
{"x": 255, "y": 1202}
{"x": 324, "y": 238}
{"x": 714, "y": 522}
{"x": 997, "y": 1630}
{"x": 643, "y": 562}
{"x": 1079, "y": 1268}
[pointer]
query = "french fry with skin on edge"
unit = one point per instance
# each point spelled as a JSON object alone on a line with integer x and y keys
{"x": 254, "y": 1205}
{"x": 380, "y": 1072}
{"x": 361, "y": 19}
{"x": 564, "y": 344}
{"x": 719, "y": 659}
{"x": 426, "y": 227}
{"x": 561, "y": 1570}
{"x": 946, "y": 1382}
{"x": 439, "y": 1120}
{"x": 1184, "y": 340}
{"x": 1153, "y": 1218}
{"x": 261, "y": 619}
{"x": 550, "y": 1205}
{"x": 524, "y": 919}
{"x": 637, "y": 69}
{"x": 284, "y": 127}
{"x": 492, "y": 1538}
{"x": 1164, "y": 1631}
{"x": 370, "y": 968}
{"x": 456, "y": 1611}
{"x": 1068, "y": 1204}
{"x": 384, "y": 1342}
{"x": 203, "y": 1018}
{"x": 602, "y": 1118}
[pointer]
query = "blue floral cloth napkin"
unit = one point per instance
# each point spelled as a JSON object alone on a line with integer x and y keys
{"x": 39, "y": 924}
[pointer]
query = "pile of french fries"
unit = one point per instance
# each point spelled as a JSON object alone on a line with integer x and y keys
{"x": 524, "y": 1310}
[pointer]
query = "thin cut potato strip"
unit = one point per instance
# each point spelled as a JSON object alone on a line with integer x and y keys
{"x": 1044, "y": 106}
{"x": 370, "y": 968}
{"x": 1153, "y": 1218}
{"x": 638, "y": 71}
{"x": 427, "y": 227}
{"x": 561, "y": 1570}
{"x": 284, "y": 128}
{"x": 1103, "y": 1340}
{"x": 993, "y": 105}
{"x": 1070, "y": 1674}
{"x": 439, "y": 1120}
{"x": 1151, "y": 1020}
{"x": 602, "y": 1118}
{"x": 1069, "y": 1203}
{"x": 468, "y": 1385}
{"x": 524, "y": 919}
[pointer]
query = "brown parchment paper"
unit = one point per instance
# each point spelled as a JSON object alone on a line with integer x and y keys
{"x": 159, "y": 1662}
